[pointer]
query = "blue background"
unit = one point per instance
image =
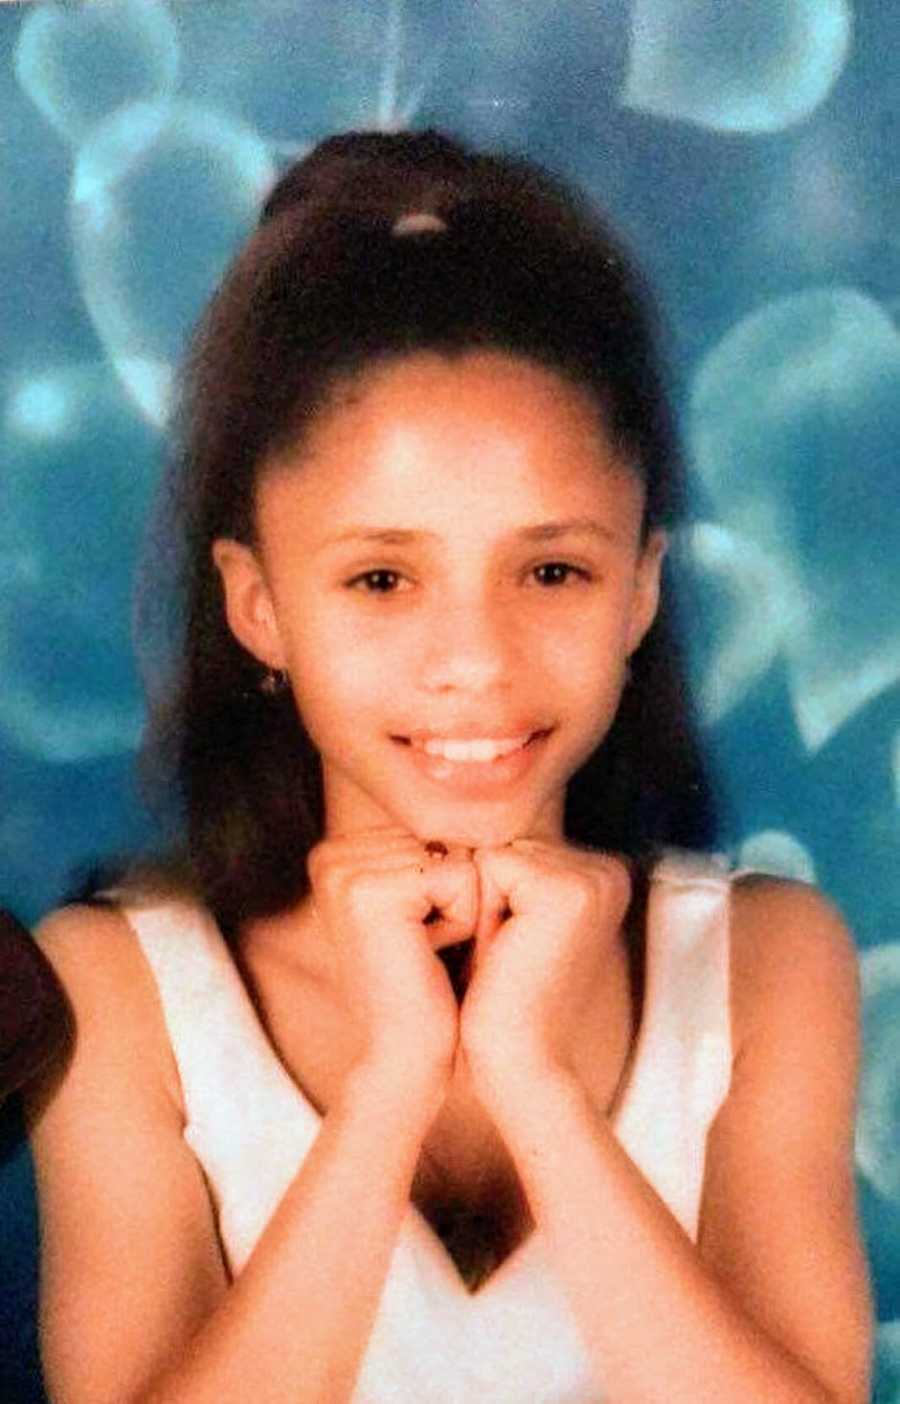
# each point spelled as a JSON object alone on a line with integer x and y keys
{"x": 746, "y": 151}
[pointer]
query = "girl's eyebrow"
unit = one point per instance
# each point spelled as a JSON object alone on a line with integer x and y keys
{"x": 541, "y": 531}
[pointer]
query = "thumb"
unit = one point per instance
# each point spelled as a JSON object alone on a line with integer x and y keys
{"x": 451, "y": 886}
{"x": 493, "y": 907}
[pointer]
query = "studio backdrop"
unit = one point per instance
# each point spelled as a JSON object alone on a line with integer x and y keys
{"x": 747, "y": 151}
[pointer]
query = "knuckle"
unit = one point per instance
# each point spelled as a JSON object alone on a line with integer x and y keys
{"x": 616, "y": 881}
{"x": 328, "y": 877}
{"x": 365, "y": 888}
{"x": 579, "y": 891}
{"x": 452, "y": 874}
{"x": 322, "y": 876}
{"x": 314, "y": 859}
{"x": 320, "y": 858}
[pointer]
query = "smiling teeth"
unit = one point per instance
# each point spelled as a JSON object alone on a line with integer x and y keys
{"x": 473, "y": 750}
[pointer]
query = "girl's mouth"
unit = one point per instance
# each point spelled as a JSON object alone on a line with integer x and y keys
{"x": 477, "y": 767}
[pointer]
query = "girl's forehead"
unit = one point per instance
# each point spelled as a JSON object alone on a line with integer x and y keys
{"x": 476, "y": 377}
{"x": 429, "y": 410}
{"x": 477, "y": 443}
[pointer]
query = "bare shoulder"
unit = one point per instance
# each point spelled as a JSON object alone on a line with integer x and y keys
{"x": 112, "y": 999}
{"x": 124, "y": 1210}
{"x": 792, "y": 956}
{"x": 72, "y": 938}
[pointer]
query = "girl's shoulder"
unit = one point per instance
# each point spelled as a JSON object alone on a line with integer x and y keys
{"x": 113, "y": 1000}
{"x": 92, "y": 943}
{"x": 91, "y": 947}
{"x": 793, "y": 961}
{"x": 791, "y": 954}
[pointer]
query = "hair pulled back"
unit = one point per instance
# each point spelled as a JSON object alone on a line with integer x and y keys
{"x": 326, "y": 287}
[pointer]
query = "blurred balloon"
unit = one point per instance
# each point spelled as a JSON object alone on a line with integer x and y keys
{"x": 76, "y": 483}
{"x": 536, "y": 76}
{"x": 79, "y": 63}
{"x": 736, "y": 68}
{"x": 161, "y": 196}
{"x": 296, "y": 72}
{"x": 40, "y": 408}
{"x": 887, "y": 1363}
{"x": 776, "y": 852}
{"x": 878, "y": 1122}
{"x": 818, "y": 210}
{"x": 744, "y": 607}
{"x": 793, "y": 423}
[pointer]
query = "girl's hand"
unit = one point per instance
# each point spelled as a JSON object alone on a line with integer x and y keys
{"x": 549, "y": 914}
{"x": 372, "y": 893}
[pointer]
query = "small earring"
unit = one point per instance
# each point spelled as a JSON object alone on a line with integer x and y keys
{"x": 274, "y": 681}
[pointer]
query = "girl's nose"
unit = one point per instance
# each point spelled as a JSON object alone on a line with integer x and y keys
{"x": 468, "y": 648}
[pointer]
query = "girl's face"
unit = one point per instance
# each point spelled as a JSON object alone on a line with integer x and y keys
{"x": 453, "y": 556}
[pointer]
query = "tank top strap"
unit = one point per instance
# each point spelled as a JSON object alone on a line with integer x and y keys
{"x": 239, "y": 1100}
{"x": 203, "y": 1001}
{"x": 682, "y": 1068}
{"x": 689, "y": 933}
{"x": 682, "y": 867}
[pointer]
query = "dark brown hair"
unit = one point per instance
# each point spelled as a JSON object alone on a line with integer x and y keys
{"x": 322, "y": 290}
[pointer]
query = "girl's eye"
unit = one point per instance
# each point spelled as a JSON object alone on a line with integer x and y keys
{"x": 383, "y": 581}
{"x": 558, "y": 573}
{"x": 376, "y": 582}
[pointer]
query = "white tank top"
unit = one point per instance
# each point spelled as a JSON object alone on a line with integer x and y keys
{"x": 514, "y": 1341}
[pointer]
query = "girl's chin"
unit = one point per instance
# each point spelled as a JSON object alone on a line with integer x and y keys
{"x": 486, "y": 834}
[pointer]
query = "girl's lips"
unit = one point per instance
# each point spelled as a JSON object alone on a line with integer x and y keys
{"x": 473, "y": 779}
{"x": 524, "y": 729}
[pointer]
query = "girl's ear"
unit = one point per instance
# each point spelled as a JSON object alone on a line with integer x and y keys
{"x": 645, "y": 600}
{"x": 248, "y": 603}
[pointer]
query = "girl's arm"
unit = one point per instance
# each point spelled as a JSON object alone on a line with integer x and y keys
{"x": 135, "y": 1302}
{"x": 774, "y": 1302}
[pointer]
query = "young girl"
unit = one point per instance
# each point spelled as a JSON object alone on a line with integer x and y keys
{"x": 448, "y": 1069}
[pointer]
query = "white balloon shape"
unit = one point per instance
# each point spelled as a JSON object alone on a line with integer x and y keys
{"x": 793, "y": 424}
{"x": 738, "y": 67}
{"x": 79, "y": 470}
{"x": 746, "y": 610}
{"x": 162, "y": 194}
{"x": 777, "y": 852}
{"x": 887, "y": 1362}
{"x": 878, "y": 1121}
{"x": 79, "y": 63}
